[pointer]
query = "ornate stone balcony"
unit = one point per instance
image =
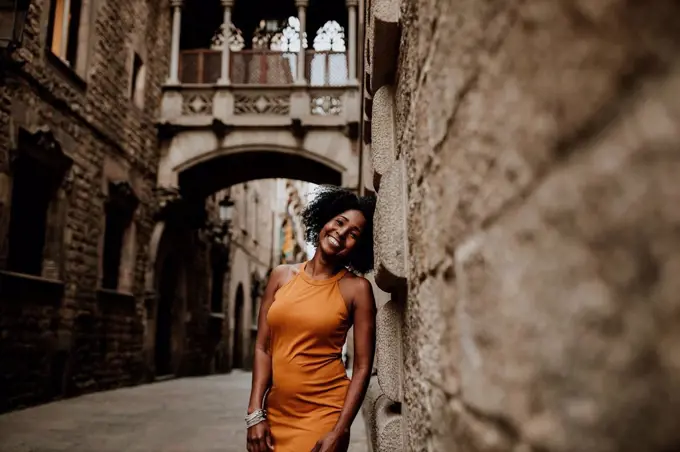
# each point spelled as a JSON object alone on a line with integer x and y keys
{"x": 262, "y": 91}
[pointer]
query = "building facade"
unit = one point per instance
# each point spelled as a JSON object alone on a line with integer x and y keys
{"x": 118, "y": 146}
{"x": 78, "y": 163}
{"x": 525, "y": 158}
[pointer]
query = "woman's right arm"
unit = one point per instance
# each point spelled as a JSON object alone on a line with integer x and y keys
{"x": 259, "y": 437}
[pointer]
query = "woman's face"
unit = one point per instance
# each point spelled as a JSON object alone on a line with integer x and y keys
{"x": 340, "y": 235}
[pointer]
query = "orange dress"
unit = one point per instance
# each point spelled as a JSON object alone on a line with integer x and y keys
{"x": 308, "y": 324}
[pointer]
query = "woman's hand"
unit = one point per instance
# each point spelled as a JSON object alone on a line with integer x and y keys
{"x": 331, "y": 442}
{"x": 260, "y": 438}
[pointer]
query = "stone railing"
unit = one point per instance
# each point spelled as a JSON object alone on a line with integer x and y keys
{"x": 263, "y": 105}
{"x": 261, "y": 91}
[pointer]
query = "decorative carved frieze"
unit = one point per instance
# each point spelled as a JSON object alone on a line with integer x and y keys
{"x": 262, "y": 104}
{"x": 328, "y": 105}
{"x": 197, "y": 103}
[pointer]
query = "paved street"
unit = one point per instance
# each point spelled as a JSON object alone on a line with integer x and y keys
{"x": 188, "y": 415}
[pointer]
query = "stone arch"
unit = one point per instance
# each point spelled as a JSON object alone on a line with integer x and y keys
{"x": 226, "y": 169}
{"x": 319, "y": 156}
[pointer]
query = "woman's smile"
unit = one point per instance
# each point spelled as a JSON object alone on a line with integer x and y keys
{"x": 335, "y": 243}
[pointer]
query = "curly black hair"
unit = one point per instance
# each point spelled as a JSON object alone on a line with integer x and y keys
{"x": 330, "y": 201}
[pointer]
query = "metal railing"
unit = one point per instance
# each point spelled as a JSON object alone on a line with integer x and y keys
{"x": 263, "y": 67}
{"x": 200, "y": 66}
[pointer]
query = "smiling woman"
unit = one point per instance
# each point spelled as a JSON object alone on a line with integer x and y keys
{"x": 301, "y": 397}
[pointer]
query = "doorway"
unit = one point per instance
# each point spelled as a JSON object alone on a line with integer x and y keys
{"x": 165, "y": 318}
{"x": 238, "y": 329}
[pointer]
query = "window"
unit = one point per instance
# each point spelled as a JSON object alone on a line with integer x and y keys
{"x": 113, "y": 247}
{"x": 137, "y": 81}
{"x": 38, "y": 168}
{"x": 28, "y": 220}
{"x": 119, "y": 209}
{"x": 63, "y": 29}
{"x": 217, "y": 289}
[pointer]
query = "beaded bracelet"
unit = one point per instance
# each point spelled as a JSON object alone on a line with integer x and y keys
{"x": 255, "y": 417}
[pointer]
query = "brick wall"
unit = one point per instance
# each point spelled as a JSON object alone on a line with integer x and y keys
{"x": 540, "y": 141}
{"x": 92, "y": 342}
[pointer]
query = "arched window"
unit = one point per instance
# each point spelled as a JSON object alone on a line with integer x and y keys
{"x": 330, "y": 37}
{"x": 283, "y": 36}
{"x": 236, "y": 41}
{"x": 328, "y": 67}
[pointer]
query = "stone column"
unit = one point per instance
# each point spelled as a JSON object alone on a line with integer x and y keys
{"x": 352, "y": 41}
{"x": 302, "y": 15}
{"x": 176, "y": 28}
{"x": 226, "y": 25}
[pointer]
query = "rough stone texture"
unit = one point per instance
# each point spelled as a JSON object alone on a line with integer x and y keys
{"x": 383, "y": 139}
{"x": 383, "y": 420}
{"x": 539, "y": 140}
{"x": 388, "y": 353}
{"x": 80, "y": 345}
{"x": 541, "y": 334}
{"x": 390, "y": 235}
{"x": 384, "y": 37}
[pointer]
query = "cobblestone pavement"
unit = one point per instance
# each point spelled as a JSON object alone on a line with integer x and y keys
{"x": 186, "y": 415}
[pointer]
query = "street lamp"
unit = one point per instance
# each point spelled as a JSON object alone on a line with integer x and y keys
{"x": 271, "y": 25}
{"x": 226, "y": 209}
{"x": 12, "y": 22}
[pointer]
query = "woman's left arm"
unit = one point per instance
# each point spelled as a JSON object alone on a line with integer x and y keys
{"x": 364, "y": 312}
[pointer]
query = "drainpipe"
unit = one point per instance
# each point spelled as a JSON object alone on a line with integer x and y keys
{"x": 361, "y": 26}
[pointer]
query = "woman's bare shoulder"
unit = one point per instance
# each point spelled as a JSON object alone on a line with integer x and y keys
{"x": 356, "y": 286}
{"x": 284, "y": 272}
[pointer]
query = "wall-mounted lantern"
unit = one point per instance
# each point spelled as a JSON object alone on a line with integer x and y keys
{"x": 12, "y": 23}
{"x": 271, "y": 25}
{"x": 226, "y": 210}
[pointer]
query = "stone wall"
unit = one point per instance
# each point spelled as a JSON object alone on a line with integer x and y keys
{"x": 529, "y": 152}
{"x": 61, "y": 335}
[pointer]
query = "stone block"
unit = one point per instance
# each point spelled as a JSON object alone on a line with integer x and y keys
{"x": 351, "y": 106}
{"x": 385, "y": 42}
{"x": 383, "y": 419}
{"x": 390, "y": 230}
{"x": 383, "y": 136}
{"x": 171, "y": 105}
{"x": 223, "y": 104}
{"x": 368, "y": 46}
{"x": 366, "y": 171}
{"x": 568, "y": 304}
{"x": 299, "y": 104}
{"x": 388, "y": 350}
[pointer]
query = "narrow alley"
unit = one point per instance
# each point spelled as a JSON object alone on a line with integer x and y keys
{"x": 203, "y": 414}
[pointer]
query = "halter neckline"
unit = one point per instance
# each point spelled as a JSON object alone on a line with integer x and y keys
{"x": 320, "y": 282}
